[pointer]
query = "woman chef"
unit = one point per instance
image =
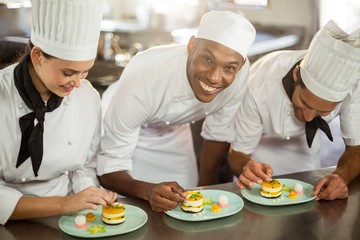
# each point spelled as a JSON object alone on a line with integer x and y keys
{"x": 51, "y": 116}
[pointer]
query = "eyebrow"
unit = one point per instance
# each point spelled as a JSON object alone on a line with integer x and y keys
{"x": 75, "y": 71}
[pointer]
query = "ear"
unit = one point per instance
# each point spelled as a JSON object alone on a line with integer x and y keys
{"x": 191, "y": 45}
{"x": 35, "y": 55}
{"x": 296, "y": 73}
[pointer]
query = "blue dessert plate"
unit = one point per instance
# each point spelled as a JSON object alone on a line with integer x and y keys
{"x": 253, "y": 194}
{"x": 135, "y": 218}
{"x": 235, "y": 205}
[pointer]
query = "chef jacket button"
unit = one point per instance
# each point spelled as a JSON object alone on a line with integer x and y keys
{"x": 21, "y": 105}
{"x": 288, "y": 113}
{"x": 167, "y": 122}
{"x": 66, "y": 172}
{"x": 206, "y": 113}
{"x": 70, "y": 143}
{"x": 193, "y": 121}
{"x": 176, "y": 99}
{"x": 287, "y": 138}
{"x": 23, "y": 179}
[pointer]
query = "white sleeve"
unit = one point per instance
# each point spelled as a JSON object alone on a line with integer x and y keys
{"x": 248, "y": 126}
{"x": 9, "y": 199}
{"x": 350, "y": 119}
{"x": 86, "y": 175}
{"x": 124, "y": 116}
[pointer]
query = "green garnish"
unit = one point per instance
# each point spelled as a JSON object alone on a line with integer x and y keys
{"x": 195, "y": 195}
{"x": 207, "y": 201}
{"x": 286, "y": 188}
{"x": 96, "y": 229}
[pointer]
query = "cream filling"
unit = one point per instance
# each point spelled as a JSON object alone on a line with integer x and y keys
{"x": 270, "y": 189}
{"x": 188, "y": 203}
{"x": 112, "y": 215}
{"x": 193, "y": 206}
{"x": 113, "y": 220}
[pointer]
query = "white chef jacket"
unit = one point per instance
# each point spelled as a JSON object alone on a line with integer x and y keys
{"x": 267, "y": 128}
{"x": 152, "y": 99}
{"x": 71, "y": 140}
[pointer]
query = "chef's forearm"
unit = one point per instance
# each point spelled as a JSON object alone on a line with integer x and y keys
{"x": 211, "y": 155}
{"x": 38, "y": 207}
{"x": 348, "y": 166}
{"x": 122, "y": 183}
{"x": 237, "y": 161}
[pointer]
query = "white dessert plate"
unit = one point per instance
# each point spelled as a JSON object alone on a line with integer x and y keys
{"x": 253, "y": 194}
{"x": 135, "y": 218}
{"x": 235, "y": 205}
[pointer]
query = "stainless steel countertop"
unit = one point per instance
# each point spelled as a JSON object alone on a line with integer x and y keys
{"x": 330, "y": 220}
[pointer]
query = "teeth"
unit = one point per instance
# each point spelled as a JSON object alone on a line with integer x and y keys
{"x": 207, "y": 87}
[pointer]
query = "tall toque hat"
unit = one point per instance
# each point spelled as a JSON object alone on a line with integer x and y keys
{"x": 67, "y": 29}
{"x": 229, "y": 29}
{"x": 331, "y": 67}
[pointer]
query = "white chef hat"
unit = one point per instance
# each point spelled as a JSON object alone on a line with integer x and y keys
{"x": 229, "y": 29}
{"x": 331, "y": 67}
{"x": 67, "y": 29}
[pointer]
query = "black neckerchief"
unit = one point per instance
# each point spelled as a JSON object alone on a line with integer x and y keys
{"x": 32, "y": 137}
{"x": 312, "y": 126}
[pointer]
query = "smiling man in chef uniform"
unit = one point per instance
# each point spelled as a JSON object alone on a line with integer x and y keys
{"x": 147, "y": 150}
{"x": 291, "y": 94}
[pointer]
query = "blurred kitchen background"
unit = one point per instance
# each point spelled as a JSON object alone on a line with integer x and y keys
{"x": 131, "y": 26}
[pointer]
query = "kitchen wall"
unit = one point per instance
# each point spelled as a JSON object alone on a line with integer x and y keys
{"x": 299, "y": 13}
{"x": 172, "y": 14}
{"x": 346, "y": 13}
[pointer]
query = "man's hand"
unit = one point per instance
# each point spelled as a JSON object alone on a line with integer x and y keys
{"x": 331, "y": 187}
{"x": 165, "y": 196}
{"x": 254, "y": 172}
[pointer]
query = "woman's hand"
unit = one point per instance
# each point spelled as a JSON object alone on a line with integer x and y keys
{"x": 88, "y": 198}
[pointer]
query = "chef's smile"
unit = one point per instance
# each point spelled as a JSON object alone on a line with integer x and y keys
{"x": 208, "y": 88}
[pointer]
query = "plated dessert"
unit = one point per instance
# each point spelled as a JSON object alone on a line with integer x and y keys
{"x": 194, "y": 202}
{"x": 113, "y": 214}
{"x": 293, "y": 191}
{"x": 271, "y": 189}
{"x": 209, "y": 204}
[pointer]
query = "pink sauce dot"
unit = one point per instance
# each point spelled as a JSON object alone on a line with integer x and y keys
{"x": 81, "y": 226}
